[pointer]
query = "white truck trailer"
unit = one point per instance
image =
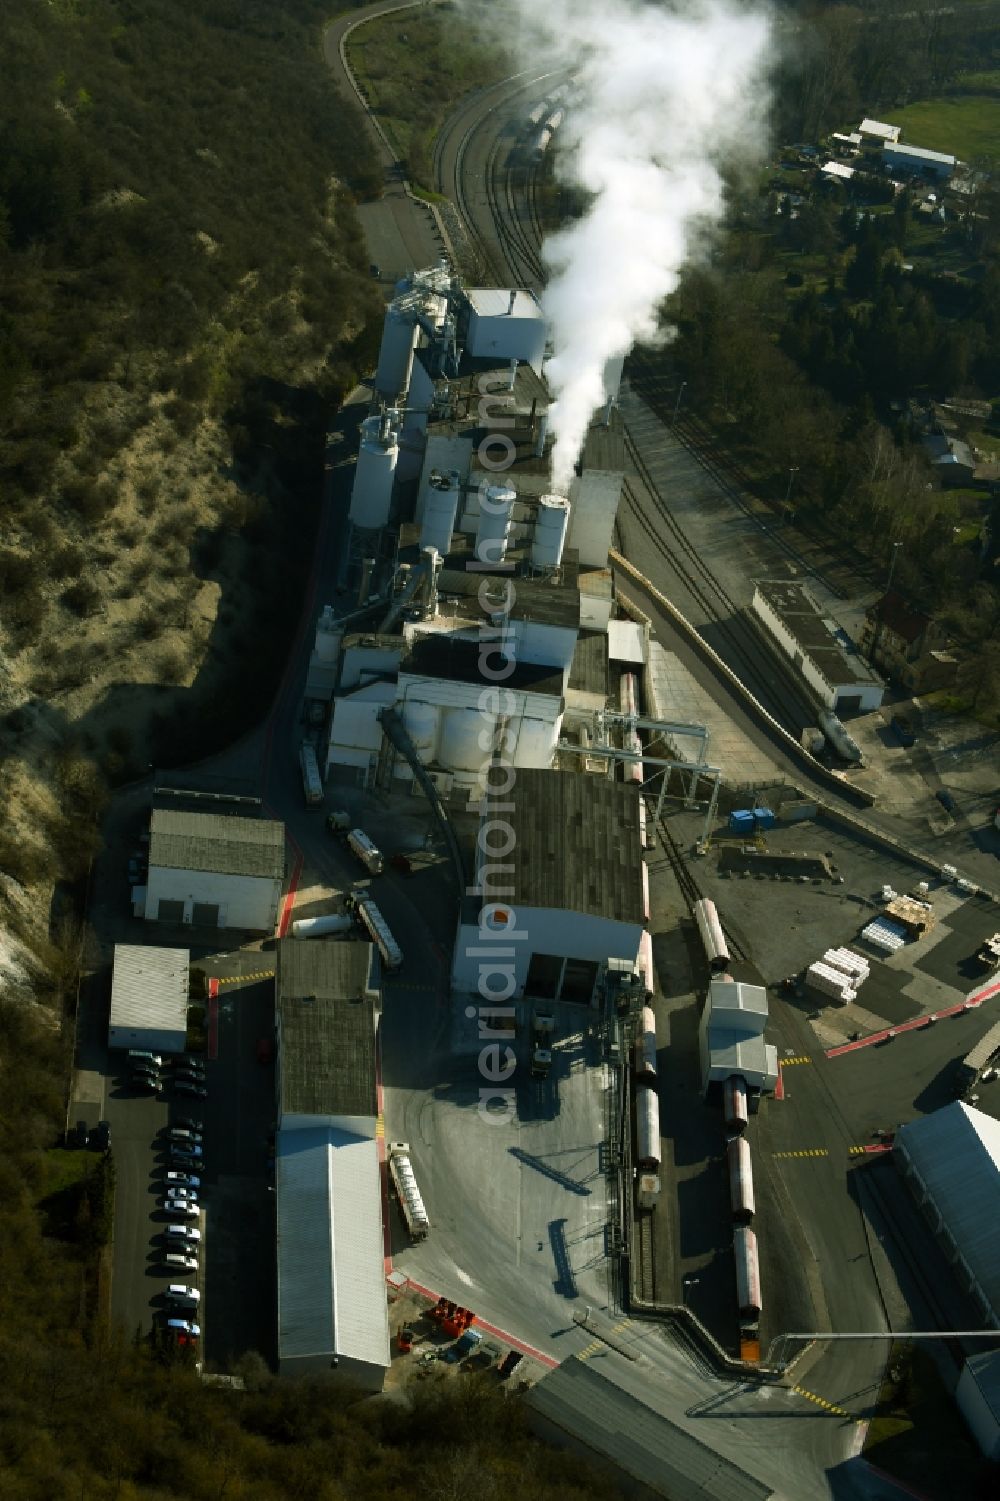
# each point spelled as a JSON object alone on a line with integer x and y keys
{"x": 312, "y": 782}
{"x": 410, "y": 1201}
{"x": 363, "y": 849}
{"x": 375, "y": 925}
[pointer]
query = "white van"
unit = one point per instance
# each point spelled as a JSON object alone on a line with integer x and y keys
{"x": 177, "y": 1261}
{"x": 179, "y": 1292}
{"x": 177, "y": 1234}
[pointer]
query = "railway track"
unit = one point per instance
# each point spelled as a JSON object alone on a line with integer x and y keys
{"x": 688, "y": 886}
{"x": 747, "y": 651}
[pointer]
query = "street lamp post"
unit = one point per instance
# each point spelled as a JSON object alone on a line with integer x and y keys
{"x": 677, "y": 403}
{"x": 793, "y": 471}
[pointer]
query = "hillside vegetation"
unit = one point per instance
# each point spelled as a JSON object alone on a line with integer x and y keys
{"x": 183, "y": 300}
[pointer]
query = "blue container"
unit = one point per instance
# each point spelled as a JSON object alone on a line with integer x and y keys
{"x": 741, "y": 821}
{"x": 764, "y": 818}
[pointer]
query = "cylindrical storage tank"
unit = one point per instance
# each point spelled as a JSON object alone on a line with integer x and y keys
{"x": 395, "y": 356}
{"x": 422, "y": 723}
{"x": 551, "y": 526}
{"x": 740, "y": 1178}
{"x": 645, "y": 1045}
{"x": 459, "y": 748}
{"x": 710, "y": 932}
{"x": 536, "y": 742}
{"x": 734, "y": 1103}
{"x": 372, "y": 493}
{"x": 646, "y": 971}
{"x": 440, "y": 511}
{"x": 647, "y": 1128}
{"x": 496, "y": 505}
{"x": 318, "y": 927}
{"x": 747, "y": 1272}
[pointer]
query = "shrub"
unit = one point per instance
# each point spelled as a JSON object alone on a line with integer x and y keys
{"x": 66, "y": 561}
{"x": 83, "y": 597}
{"x": 90, "y": 498}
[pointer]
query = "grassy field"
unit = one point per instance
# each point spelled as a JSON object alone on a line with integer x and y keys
{"x": 414, "y": 69}
{"x": 967, "y": 127}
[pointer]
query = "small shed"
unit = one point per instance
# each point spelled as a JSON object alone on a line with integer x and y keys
{"x": 149, "y": 998}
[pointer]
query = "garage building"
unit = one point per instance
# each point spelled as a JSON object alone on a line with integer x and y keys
{"x": 332, "y": 1314}
{"x": 210, "y": 870}
{"x": 149, "y": 998}
{"x": 950, "y": 1161}
{"x": 573, "y": 889}
{"x": 820, "y": 650}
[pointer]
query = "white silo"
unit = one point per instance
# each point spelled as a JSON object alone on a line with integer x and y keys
{"x": 421, "y": 721}
{"x": 440, "y": 512}
{"x": 395, "y": 356}
{"x": 536, "y": 742}
{"x": 551, "y": 526}
{"x": 377, "y": 456}
{"x": 496, "y": 505}
{"x": 459, "y": 748}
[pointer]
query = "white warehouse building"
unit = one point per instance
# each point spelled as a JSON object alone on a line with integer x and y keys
{"x": 332, "y": 1313}
{"x": 212, "y": 870}
{"x": 819, "y": 649}
{"x": 149, "y": 998}
{"x": 573, "y": 890}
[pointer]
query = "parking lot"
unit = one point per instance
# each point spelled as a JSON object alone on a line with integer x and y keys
{"x": 235, "y": 1273}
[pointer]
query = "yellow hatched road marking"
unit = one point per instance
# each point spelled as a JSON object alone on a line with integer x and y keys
{"x": 591, "y": 1349}
{"x": 800, "y": 1391}
{"x": 379, "y": 1128}
{"x": 787, "y": 1062}
{"x": 260, "y": 974}
{"x": 855, "y": 1151}
{"x": 805, "y": 1152}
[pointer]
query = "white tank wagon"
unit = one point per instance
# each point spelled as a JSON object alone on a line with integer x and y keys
{"x": 740, "y": 1178}
{"x": 375, "y": 925}
{"x": 647, "y": 1129}
{"x": 645, "y": 1046}
{"x": 410, "y": 1199}
{"x": 735, "y": 1110}
{"x": 321, "y": 927}
{"x": 647, "y": 974}
{"x": 312, "y": 782}
{"x": 365, "y": 850}
{"x": 747, "y": 1272}
{"x": 713, "y": 940}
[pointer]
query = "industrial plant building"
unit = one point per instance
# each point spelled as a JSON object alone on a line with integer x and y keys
{"x": 332, "y": 1314}
{"x": 213, "y": 870}
{"x": 838, "y": 676}
{"x": 731, "y": 1036}
{"x": 149, "y": 998}
{"x": 572, "y": 885}
{"x": 471, "y": 572}
{"x": 950, "y": 1161}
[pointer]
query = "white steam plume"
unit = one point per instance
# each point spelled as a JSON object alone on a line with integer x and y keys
{"x": 662, "y": 97}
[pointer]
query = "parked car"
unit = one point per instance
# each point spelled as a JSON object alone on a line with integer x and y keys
{"x": 143, "y": 1084}
{"x": 190, "y": 1071}
{"x": 144, "y": 1070}
{"x": 184, "y": 1326}
{"x": 189, "y": 1194}
{"x": 99, "y": 1140}
{"x": 180, "y": 1292}
{"x": 184, "y": 1162}
{"x": 188, "y": 1134}
{"x": 178, "y": 1234}
{"x": 140, "y": 1055}
{"x": 184, "y": 1180}
{"x": 186, "y": 1123}
{"x": 180, "y": 1261}
{"x": 182, "y": 1208}
{"x": 190, "y": 1087}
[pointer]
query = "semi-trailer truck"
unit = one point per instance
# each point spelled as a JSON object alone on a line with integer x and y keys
{"x": 312, "y": 783}
{"x": 410, "y": 1201}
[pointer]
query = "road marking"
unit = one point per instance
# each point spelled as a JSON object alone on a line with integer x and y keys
{"x": 805, "y": 1152}
{"x": 591, "y": 1349}
{"x": 380, "y": 1129}
{"x": 800, "y": 1391}
{"x": 404, "y": 985}
{"x": 259, "y": 974}
{"x": 787, "y": 1062}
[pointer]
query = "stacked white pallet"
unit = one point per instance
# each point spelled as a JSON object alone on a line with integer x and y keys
{"x": 855, "y": 966}
{"x": 831, "y": 982}
{"x": 883, "y": 934}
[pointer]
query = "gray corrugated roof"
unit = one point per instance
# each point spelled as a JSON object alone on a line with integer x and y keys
{"x": 216, "y": 843}
{"x": 589, "y": 672}
{"x": 609, "y": 1409}
{"x": 985, "y": 1372}
{"x": 150, "y": 987}
{"x": 327, "y": 1054}
{"x": 956, "y": 1151}
{"x": 331, "y": 1273}
{"x": 576, "y": 844}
